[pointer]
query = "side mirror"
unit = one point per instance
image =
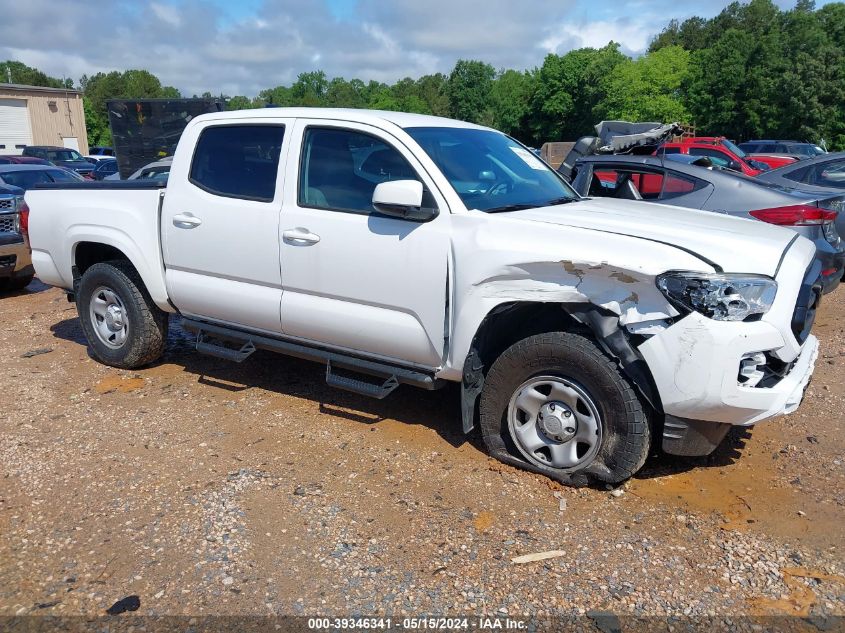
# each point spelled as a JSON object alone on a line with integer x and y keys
{"x": 734, "y": 164}
{"x": 402, "y": 199}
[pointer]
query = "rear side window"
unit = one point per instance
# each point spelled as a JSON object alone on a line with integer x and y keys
{"x": 676, "y": 185}
{"x": 668, "y": 150}
{"x": 238, "y": 161}
{"x": 797, "y": 174}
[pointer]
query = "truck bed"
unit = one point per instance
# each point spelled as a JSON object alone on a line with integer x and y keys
{"x": 101, "y": 184}
{"x": 123, "y": 215}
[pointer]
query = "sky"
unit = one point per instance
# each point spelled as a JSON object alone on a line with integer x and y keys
{"x": 239, "y": 47}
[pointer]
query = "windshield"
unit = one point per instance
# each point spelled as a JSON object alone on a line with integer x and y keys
{"x": 65, "y": 154}
{"x": 807, "y": 150}
{"x": 490, "y": 171}
{"x": 25, "y": 179}
{"x": 64, "y": 175}
{"x": 734, "y": 148}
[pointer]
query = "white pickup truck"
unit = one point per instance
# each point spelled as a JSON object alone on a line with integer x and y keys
{"x": 405, "y": 249}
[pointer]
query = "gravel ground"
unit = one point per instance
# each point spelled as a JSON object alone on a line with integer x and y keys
{"x": 208, "y": 488}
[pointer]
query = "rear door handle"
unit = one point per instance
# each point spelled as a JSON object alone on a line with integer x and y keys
{"x": 186, "y": 221}
{"x": 300, "y": 236}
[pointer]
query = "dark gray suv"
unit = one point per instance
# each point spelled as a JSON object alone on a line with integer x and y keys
{"x": 16, "y": 269}
{"x": 61, "y": 156}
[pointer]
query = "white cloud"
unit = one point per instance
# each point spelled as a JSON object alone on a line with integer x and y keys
{"x": 166, "y": 13}
{"x": 192, "y": 45}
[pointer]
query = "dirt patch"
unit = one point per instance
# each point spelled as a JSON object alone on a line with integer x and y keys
{"x": 801, "y": 598}
{"x": 484, "y": 521}
{"x": 119, "y": 384}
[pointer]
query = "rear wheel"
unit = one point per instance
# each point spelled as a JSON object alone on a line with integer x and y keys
{"x": 560, "y": 406}
{"x": 122, "y": 324}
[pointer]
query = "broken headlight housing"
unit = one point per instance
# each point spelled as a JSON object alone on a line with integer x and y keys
{"x": 722, "y": 297}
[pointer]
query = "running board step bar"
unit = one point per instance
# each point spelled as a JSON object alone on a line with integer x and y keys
{"x": 218, "y": 350}
{"x": 361, "y": 387}
{"x": 237, "y": 345}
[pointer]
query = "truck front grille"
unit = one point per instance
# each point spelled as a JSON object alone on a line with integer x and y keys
{"x": 8, "y": 222}
{"x": 7, "y": 204}
{"x": 8, "y": 261}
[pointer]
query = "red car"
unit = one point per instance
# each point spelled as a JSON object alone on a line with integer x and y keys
{"x": 773, "y": 161}
{"x": 718, "y": 149}
{"x": 22, "y": 160}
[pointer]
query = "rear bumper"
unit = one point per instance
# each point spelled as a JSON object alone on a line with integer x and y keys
{"x": 833, "y": 267}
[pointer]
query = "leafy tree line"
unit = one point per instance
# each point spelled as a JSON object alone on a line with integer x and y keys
{"x": 754, "y": 70}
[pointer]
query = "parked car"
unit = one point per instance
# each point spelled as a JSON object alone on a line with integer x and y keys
{"x": 822, "y": 173}
{"x": 719, "y": 150}
{"x": 158, "y": 170}
{"x": 104, "y": 168}
{"x": 792, "y": 149}
{"x": 408, "y": 249}
{"x": 100, "y": 150}
{"x": 23, "y": 160}
{"x": 25, "y": 176}
{"x": 62, "y": 157}
{"x": 685, "y": 184}
{"x": 16, "y": 271}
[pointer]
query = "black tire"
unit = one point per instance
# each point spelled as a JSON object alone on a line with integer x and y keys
{"x": 623, "y": 425}
{"x": 146, "y": 325}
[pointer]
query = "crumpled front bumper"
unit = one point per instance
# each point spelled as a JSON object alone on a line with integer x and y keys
{"x": 695, "y": 364}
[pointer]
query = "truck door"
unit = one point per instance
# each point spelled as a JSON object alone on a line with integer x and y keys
{"x": 352, "y": 278}
{"x": 220, "y": 222}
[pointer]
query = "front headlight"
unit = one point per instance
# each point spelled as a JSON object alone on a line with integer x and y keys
{"x": 721, "y": 297}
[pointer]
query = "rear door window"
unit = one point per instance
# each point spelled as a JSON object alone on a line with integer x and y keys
{"x": 238, "y": 161}
{"x": 627, "y": 183}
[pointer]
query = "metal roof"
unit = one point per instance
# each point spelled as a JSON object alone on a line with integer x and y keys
{"x": 25, "y": 88}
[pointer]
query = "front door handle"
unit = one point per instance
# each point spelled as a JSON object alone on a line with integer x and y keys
{"x": 186, "y": 221}
{"x": 300, "y": 236}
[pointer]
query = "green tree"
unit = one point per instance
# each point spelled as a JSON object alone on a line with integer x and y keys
{"x": 468, "y": 89}
{"x": 278, "y": 96}
{"x": 567, "y": 89}
{"x": 648, "y": 88}
{"x": 432, "y": 90}
{"x": 510, "y": 98}
{"x": 310, "y": 89}
{"x": 19, "y": 73}
{"x": 239, "y": 102}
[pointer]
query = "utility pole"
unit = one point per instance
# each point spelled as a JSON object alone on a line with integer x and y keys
{"x": 8, "y": 73}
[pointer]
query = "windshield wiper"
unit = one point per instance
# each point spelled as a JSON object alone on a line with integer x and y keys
{"x": 511, "y": 207}
{"x": 561, "y": 200}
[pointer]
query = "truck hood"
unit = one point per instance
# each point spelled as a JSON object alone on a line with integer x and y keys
{"x": 733, "y": 244}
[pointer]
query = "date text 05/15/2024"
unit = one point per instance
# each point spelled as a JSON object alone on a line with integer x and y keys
{"x": 415, "y": 624}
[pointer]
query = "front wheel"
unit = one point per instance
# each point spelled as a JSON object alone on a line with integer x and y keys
{"x": 558, "y": 404}
{"x": 123, "y": 326}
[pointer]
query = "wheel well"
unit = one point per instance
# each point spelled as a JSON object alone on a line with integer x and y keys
{"x": 508, "y": 323}
{"x": 512, "y": 322}
{"x": 89, "y": 253}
